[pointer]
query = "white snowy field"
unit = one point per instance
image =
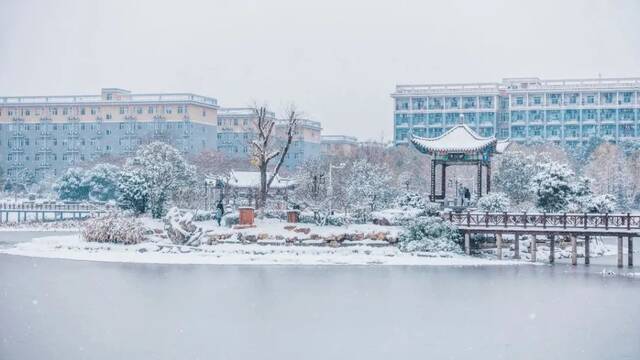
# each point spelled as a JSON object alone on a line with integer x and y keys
{"x": 73, "y": 247}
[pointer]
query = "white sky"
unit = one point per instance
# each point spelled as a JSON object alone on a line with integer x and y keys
{"x": 337, "y": 60}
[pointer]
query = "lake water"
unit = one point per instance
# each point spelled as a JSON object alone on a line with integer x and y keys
{"x": 64, "y": 309}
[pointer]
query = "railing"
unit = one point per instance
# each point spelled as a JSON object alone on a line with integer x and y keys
{"x": 544, "y": 220}
{"x": 50, "y": 207}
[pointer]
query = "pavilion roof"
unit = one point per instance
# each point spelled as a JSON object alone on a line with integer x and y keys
{"x": 459, "y": 139}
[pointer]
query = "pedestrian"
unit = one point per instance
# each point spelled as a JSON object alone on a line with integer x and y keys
{"x": 467, "y": 195}
{"x": 219, "y": 212}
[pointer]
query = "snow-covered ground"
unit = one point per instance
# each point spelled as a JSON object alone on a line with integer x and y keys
{"x": 73, "y": 247}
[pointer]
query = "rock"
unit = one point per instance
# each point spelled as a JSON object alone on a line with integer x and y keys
{"x": 314, "y": 237}
{"x": 289, "y": 227}
{"x": 306, "y": 231}
{"x": 279, "y": 237}
{"x": 359, "y": 236}
{"x": 181, "y": 229}
{"x": 250, "y": 238}
{"x": 241, "y": 227}
{"x": 291, "y": 240}
{"x": 382, "y": 222}
{"x": 334, "y": 243}
{"x": 263, "y": 236}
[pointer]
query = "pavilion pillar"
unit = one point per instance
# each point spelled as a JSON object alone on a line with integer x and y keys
{"x": 443, "y": 185}
{"x": 499, "y": 246}
{"x": 552, "y": 249}
{"x": 479, "y": 179}
{"x": 516, "y": 246}
{"x": 433, "y": 180}
{"x": 488, "y": 177}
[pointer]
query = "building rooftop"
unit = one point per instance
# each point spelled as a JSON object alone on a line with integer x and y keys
{"x": 339, "y": 139}
{"x": 519, "y": 84}
{"x": 110, "y": 96}
{"x": 241, "y": 111}
{"x": 459, "y": 139}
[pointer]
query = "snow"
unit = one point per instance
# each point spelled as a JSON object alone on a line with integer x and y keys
{"x": 74, "y": 248}
{"x": 460, "y": 138}
{"x": 251, "y": 179}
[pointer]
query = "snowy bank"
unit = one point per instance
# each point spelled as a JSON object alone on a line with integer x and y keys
{"x": 73, "y": 247}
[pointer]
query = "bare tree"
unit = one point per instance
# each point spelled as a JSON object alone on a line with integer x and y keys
{"x": 266, "y": 147}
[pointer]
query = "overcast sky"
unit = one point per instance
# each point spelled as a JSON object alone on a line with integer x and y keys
{"x": 337, "y": 60}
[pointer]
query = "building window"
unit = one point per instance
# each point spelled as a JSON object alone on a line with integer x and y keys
{"x": 150, "y": 110}
{"x": 122, "y": 110}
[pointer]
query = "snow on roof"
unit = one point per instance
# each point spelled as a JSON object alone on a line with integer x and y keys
{"x": 502, "y": 146}
{"x": 460, "y": 138}
{"x": 251, "y": 179}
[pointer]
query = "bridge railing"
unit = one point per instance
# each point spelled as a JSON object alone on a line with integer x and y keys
{"x": 544, "y": 220}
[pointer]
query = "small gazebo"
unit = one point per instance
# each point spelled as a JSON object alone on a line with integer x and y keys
{"x": 459, "y": 146}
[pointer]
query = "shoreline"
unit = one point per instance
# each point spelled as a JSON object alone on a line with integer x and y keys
{"x": 71, "y": 247}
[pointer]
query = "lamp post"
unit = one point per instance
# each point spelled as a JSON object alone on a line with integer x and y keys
{"x": 330, "y": 189}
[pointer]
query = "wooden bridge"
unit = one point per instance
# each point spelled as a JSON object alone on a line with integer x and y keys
{"x": 23, "y": 212}
{"x": 577, "y": 227}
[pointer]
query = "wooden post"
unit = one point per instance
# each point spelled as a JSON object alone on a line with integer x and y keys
{"x": 620, "y": 260}
{"x": 499, "y": 246}
{"x": 552, "y": 249}
{"x": 534, "y": 248}
{"x": 443, "y": 185}
{"x": 488, "y": 177}
{"x": 574, "y": 250}
{"x": 479, "y": 182}
{"x": 433, "y": 180}
{"x": 516, "y": 246}
{"x": 630, "y": 250}
{"x": 467, "y": 243}
{"x": 586, "y": 250}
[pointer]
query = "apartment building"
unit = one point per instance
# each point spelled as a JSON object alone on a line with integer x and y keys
{"x": 566, "y": 111}
{"x": 47, "y": 134}
{"x": 338, "y": 145}
{"x": 236, "y": 130}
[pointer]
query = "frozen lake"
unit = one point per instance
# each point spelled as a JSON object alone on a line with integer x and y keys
{"x": 65, "y": 309}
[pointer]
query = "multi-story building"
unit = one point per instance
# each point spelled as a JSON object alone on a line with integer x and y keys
{"x": 338, "y": 145}
{"x": 47, "y": 134}
{"x": 305, "y": 144}
{"x": 236, "y": 130}
{"x": 563, "y": 111}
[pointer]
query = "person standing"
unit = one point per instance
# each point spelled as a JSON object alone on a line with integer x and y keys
{"x": 219, "y": 212}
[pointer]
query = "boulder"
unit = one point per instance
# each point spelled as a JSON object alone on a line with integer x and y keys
{"x": 305, "y": 231}
{"x": 181, "y": 229}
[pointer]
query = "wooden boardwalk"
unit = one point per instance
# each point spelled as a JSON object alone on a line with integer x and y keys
{"x": 576, "y": 227}
{"x": 10, "y": 212}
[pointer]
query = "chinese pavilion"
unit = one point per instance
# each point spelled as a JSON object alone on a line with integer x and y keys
{"x": 459, "y": 146}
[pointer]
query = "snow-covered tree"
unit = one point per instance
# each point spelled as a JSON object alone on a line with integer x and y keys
{"x": 494, "y": 202}
{"x": 514, "y": 171}
{"x": 133, "y": 190}
{"x": 312, "y": 185}
{"x": 368, "y": 185}
{"x": 102, "y": 182}
{"x": 71, "y": 185}
{"x": 611, "y": 173}
{"x": 552, "y": 187}
{"x": 265, "y": 147}
{"x": 163, "y": 170}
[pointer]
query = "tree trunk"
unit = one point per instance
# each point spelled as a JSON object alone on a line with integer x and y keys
{"x": 263, "y": 186}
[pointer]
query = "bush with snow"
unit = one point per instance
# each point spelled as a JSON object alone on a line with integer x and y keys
{"x": 430, "y": 234}
{"x": 494, "y": 202}
{"x": 102, "y": 182}
{"x": 601, "y": 204}
{"x": 133, "y": 191}
{"x": 552, "y": 187}
{"x": 71, "y": 185}
{"x": 114, "y": 227}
